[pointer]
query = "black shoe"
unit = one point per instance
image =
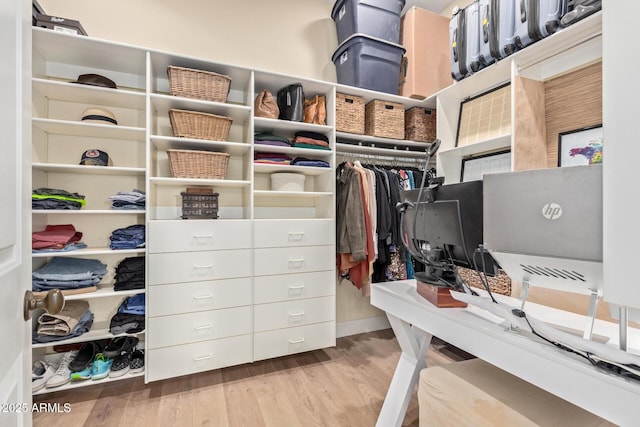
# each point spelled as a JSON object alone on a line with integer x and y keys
{"x": 85, "y": 356}
{"x": 120, "y": 345}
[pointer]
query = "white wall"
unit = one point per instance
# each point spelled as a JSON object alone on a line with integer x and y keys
{"x": 460, "y": 3}
{"x": 294, "y": 37}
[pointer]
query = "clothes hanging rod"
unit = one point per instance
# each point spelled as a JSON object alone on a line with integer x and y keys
{"x": 347, "y": 149}
{"x": 368, "y": 156}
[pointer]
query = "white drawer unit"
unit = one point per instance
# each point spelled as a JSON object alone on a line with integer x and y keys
{"x": 198, "y": 266}
{"x": 163, "y": 300}
{"x": 288, "y": 287}
{"x": 282, "y": 342}
{"x": 293, "y": 313}
{"x": 202, "y": 235}
{"x": 298, "y": 259}
{"x": 186, "y": 359}
{"x": 294, "y": 232}
{"x": 201, "y": 326}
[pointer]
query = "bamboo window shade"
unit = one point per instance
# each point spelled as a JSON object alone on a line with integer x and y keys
{"x": 485, "y": 117}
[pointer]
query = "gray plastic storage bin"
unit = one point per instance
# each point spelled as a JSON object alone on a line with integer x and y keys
{"x": 375, "y": 18}
{"x": 369, "y": 63}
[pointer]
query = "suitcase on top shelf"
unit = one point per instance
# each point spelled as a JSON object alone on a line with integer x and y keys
{"x": 464, "y": 40}
{"x": 537, "y": 19}
{"x": 497, "y": 29}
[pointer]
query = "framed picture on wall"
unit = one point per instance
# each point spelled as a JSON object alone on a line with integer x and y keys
{"x": 580, "y": 147}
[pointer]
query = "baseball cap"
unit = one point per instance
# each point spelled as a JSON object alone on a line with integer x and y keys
{"x": 99, "y": 115}
{"x": 95, "y": 157}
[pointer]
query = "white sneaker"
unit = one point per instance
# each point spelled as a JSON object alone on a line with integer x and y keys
{"x": 42, "y": 372}
{"x": 63, "y": 374}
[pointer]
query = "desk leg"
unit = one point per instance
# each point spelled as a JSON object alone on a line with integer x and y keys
{"x": 414, "y": 344}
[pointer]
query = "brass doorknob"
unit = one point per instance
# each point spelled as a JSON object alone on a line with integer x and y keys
{"x": 53, "y": 302}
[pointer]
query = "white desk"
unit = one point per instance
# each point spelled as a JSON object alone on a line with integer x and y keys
{"x": 414, "y": 321}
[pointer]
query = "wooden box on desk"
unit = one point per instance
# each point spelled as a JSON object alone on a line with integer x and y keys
{"x": 438, "y": 295}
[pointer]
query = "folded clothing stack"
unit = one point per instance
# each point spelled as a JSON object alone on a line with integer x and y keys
{"x": 313, "y": 140}
{"x": 302, "y": 161}
{"x": 68, "y": 273}
{"x": 130, "y": 274}
{"x": 57, "y": 238}
{"x": 130, "y": 316}
{"x": 130, "y": 237}
{"x": 271, "y": 158}
{"x": 265, "y": 138}
{"x": 128, "y": 200}
{"x": 53, "y": 198}
{"x": 74, "y": 320}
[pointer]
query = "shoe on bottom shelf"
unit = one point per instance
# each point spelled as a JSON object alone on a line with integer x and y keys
{"x": 62, "y": 375}
{"x": 101, "y": 367}
{"x": 120, "y": 365}
{"x": 137, "y": 362}
{"x": 85, "y": 374}
{"x": 42, "y": 372}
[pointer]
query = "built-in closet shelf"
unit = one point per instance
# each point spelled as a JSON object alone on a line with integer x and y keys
{"x": 383, "y": 142}
{"x": 66, "y": 91}
{"x": 309, "y": 194}
{"x": 80, "y": 384}
{"x": 163, "y": 143}
{"x": 292, "y": 151}
{"x": 181, "y": 182}
{"x": 163, "y": 103}
{"x": 106, "y": 292}
{"x": 79, "y": 128}
{"x": 88, "y": 52}
{"x": 90, "y": 252}
{"x": 305, "y": 170}
{"x": 370, "y": 95}
{"x": 264, "y": 124}
{"x": 491, "y": 145}
{"x": 345, "y": 149}
{"x": 88, "y": 212}
{"x": 86, "y": 169}
{"x": 99, "y": 331}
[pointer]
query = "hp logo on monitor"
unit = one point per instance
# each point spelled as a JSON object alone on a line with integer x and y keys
{"x": 552, "y": 211}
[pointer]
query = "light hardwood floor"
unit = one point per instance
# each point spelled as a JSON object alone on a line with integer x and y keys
{"x": 334, "y": 387}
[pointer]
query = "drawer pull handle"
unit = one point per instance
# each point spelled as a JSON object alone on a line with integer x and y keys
{"x": 199, "y": 358}
{"x": 296, "y": 288}
{"x": 203, "y": 296}
{"x": 298, "y": 341}
{"x": 202, "y": 267}
{"x": 299, "y": 313}
{"x": 201, "y": 327}
{"x": 296, "y": 261}
{"x": 296, "y": 235}
{"x": 203, "y": 236}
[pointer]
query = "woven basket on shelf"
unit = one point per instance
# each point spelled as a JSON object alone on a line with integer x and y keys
{"x": 198, "y": 84}
{"x": 197, "y": 164}
{"x": 500, "y": 284}
{"x": 349, "y": 114}
{"x": 420, "y": 124}
{"x": 195, "y": 124}
{"x": 384, "y": 119}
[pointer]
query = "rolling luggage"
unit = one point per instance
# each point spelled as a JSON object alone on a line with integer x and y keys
{"x": 497, "y": 28}
{"x": 537, "y": 19}
{"x": 464, "y": 34}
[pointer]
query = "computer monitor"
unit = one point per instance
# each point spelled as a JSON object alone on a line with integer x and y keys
{"x": 444, "y": 229}
{"x": 545, "y": 226}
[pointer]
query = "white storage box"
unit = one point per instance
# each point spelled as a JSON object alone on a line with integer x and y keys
{"x": 284, "y": 181}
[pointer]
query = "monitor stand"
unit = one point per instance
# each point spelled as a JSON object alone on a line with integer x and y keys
{"x": 436, "y": 293}
{"x": 591, "y": 312}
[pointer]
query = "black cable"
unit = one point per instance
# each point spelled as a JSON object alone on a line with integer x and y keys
{"x": 484, "y": 280}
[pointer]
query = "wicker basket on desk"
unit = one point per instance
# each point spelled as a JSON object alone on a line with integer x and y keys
{"x": 500, "y": 284}
{"x": 197, "y": 164}
{"x": 198, "y": 84}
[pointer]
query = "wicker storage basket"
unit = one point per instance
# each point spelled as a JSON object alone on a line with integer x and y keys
{"x": 349, "y": 114}
{"x": 197, "y": 164}
{"x": 500, "y": 284}
{"x": 199, "y": 206}
{"x": 194, "y": 124}
{"x": 198, "y": 84}
{"x": 384, "y": 119}
{"x": 420, "y": 124}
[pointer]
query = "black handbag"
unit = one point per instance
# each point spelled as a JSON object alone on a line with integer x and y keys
{"x": 291, "y": 102}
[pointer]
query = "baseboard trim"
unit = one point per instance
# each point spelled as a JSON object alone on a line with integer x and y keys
{"x": 360, "y": 326}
